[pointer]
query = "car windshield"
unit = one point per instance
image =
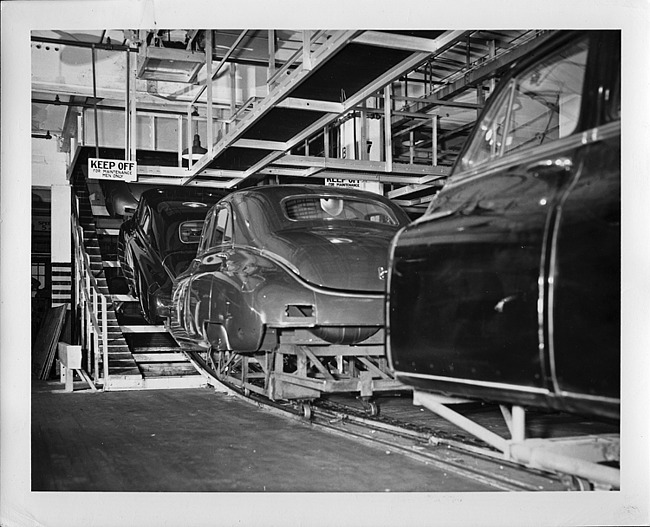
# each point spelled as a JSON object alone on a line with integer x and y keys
{"x": 331, "y": 208}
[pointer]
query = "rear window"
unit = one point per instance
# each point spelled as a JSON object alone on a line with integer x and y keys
{"x": 328, "y": 208}
{"x": 190, "y": 231}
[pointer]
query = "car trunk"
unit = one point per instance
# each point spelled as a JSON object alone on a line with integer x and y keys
{"x": 341, "y": 255}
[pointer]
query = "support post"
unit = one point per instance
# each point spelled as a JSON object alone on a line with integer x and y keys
{"x": 189, "y": 137}
{"x": 271, "y": 68}
{"x": 233, "y": 88}
{"x": 208, "y": 65}
{"x": 363, "y": 142}
{"x": 105, "y": 339}
{"x": 180, "y": 141}
{"x": 326, "y": 141}
{"x": 127, "y": 106}
{"x": 388, "y": 139}
{"x": 434, "y": 140}
{"x": 306, "y": 50}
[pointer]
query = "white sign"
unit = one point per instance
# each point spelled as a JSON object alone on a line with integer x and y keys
{"x": 370, "y": 186}
{"x": 114, "y": 169}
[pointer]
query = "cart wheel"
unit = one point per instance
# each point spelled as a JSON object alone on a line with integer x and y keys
{"x": 369, "y": 406}
{"x": 577, "y": 483}
{"x": 305, "y": 408}
{"x": 372, "y": 408}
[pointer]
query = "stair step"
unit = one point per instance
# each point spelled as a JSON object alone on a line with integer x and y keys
{"x": 142, "y": 357}
{"x": 143, "y": 329}
{"x": 173, "y": 382}
{"x": 124, "y": 370}
{"x": 163, "y": 370}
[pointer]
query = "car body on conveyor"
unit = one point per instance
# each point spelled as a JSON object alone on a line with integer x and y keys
{"x": 288, "y": 257}
{"x": 160, "y": 240}
{"x": 508, "y": 288}
{"x": 121, "y": 198}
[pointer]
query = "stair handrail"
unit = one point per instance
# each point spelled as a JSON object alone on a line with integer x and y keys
{"x": 89, "y": 289}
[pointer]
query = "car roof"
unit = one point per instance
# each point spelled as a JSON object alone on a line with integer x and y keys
{"x": 155, "y": 196}
{"x": 279, "y": 192}
{"x": 270, "y": 197}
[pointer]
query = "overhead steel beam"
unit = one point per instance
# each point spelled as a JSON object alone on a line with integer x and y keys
{"x": 397, "y": 41}
{"x": 152, "y": 180}
{"x": 440, "y": 102}
{"x": 81, "y": 44}
{"x": 260, "y": 144}
{"x": 216, "y": 70}
{"x": 353, "y": 165}
{"x": 180, "y": 173}
{"x": 313, "y": 105}
{"x": 443, "y": 42}
{"x": 283, "y": 88}
{"x": 491, "y": 67}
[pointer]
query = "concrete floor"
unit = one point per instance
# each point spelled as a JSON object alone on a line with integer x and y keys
{"x": 198, "y": 440}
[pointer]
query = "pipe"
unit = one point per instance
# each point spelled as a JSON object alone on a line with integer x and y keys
{"x": 80, "y": 44}
{"x": 95, "y": 104}
{"x": 127, "y": 107}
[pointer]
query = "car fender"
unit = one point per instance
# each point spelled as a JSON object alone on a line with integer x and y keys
{"x": 241, "y": 291}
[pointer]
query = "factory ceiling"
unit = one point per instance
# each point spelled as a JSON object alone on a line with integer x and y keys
{"x": 281, "y": 103}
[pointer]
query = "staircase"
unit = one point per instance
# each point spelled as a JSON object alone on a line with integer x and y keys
{"x": 140, "y": 356}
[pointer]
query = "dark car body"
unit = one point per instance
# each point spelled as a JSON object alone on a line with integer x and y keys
{"x": 508, "y": 288}
{"x": 288, "y": 256}
{"x": 160, "y": 241}
{"x": 121, "y": 198}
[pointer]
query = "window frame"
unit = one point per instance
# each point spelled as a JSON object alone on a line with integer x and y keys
{"x": 507, "y": 96}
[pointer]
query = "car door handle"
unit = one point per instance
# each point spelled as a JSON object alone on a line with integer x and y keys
{"x": 548, "y": 166}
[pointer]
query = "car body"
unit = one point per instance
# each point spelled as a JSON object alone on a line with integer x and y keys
{"x": 508, "y": 288}
{"x": 160, "y": 240}
{"x": 288, "y": 257}
{"x": 121, "y": 198}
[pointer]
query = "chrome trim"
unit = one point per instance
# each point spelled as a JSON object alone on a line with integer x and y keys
{"x": 587, "y": 397}
{"x": 293, "y": 271}
{"x": 550, "y": 278}
{"x": 575, "y": 140}
{"x": 487, "y": 384}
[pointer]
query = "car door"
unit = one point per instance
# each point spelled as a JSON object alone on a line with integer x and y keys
{"x": 466, "y": 306}
{"x": 137, "y": 244}
{"x": 584, "y": 298}
{"x": 209, "y": 265}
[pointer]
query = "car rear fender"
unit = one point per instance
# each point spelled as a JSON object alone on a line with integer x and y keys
{"x": 217, "y": 336}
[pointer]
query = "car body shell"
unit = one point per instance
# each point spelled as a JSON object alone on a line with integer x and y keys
{"x": 508, "y": 288}
{"x": 266, "y": 272}
{"x": 150, "y": 249}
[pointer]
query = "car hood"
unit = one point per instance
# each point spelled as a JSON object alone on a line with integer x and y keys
{"x": 338, "y": 256}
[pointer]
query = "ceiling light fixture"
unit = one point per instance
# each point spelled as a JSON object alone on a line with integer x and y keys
{"x": 197, "y": 149}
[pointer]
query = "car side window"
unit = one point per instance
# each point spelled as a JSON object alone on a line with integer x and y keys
{"x": 221, "y": 227}
{"x": 540, "y": 105}
{"x": 145, "y": 221}
{"x": 204, "y": 244}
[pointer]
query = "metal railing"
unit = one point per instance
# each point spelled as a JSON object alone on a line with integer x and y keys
{"x": 301, "y": 56}
{"x": 94, "y": 307}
